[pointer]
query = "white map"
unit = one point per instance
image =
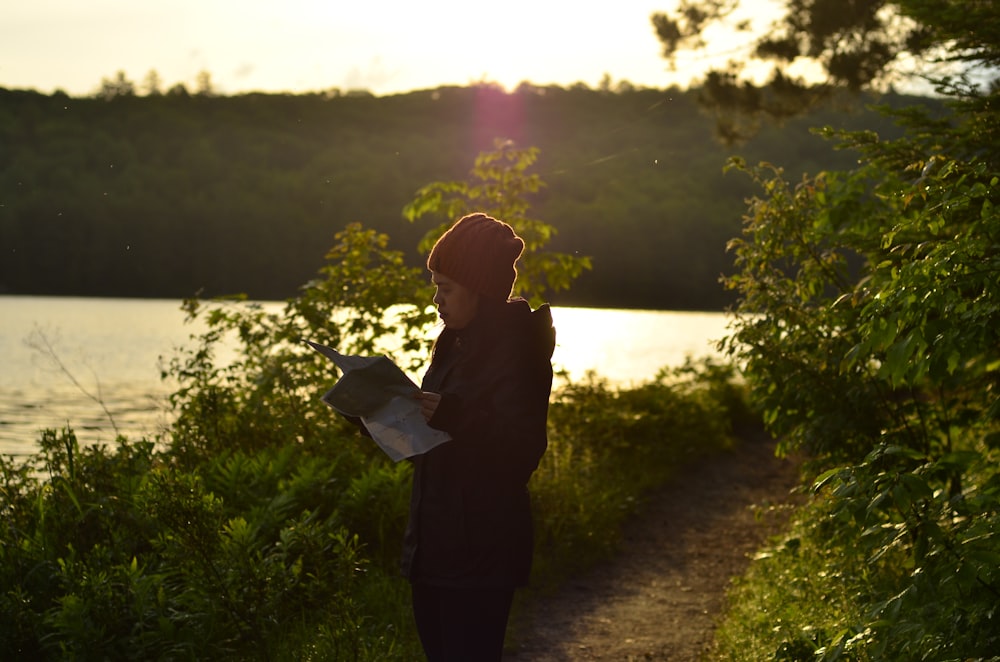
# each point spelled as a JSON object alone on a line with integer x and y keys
{"x": 377, "y": 391}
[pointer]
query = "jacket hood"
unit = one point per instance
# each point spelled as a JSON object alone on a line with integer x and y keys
{"x": 531, "y": 329}
{"x": 542, "y": 320}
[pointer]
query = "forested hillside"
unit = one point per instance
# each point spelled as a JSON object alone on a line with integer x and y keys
{"x": 168, "y": 195}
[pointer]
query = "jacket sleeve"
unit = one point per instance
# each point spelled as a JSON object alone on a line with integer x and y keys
{"x": 500, "y": 414}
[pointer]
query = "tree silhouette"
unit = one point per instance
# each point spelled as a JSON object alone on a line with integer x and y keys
{"x": 119, "y": 86}
{"x": 855, "y": 45}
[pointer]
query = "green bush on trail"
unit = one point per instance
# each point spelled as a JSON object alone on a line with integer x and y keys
{"x": 869, "y": 326}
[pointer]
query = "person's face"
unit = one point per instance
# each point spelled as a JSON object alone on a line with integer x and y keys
{"x": 456, "y": 304}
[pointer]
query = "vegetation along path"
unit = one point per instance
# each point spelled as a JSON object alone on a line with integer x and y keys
{"x": 660, "y": 597}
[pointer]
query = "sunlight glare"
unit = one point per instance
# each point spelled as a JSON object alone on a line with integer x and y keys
{"x": 620, "y": 344}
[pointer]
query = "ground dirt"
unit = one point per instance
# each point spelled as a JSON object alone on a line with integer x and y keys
{"x": 661, "y": 596}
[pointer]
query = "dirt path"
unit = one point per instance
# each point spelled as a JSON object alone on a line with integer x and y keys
{"x": 660, "y": 597}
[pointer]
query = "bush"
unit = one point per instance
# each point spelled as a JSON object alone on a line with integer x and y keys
{"x": 870, "y": 331}
{"x": 291, "y": 552}
{"x": 123, "y": 556}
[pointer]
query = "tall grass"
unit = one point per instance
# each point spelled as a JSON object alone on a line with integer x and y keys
{"x": 609, "y": 447}
{"x": 845, "y": 584}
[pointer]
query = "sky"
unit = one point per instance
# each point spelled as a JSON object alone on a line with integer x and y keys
{"x": 298, "y": 46}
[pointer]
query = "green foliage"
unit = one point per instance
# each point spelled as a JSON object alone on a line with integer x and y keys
{"x": 266, "y": 395}
{"x": 844, "y": 48}
{"x": 868, "y": 324}
{"x": 289, "y": 552}
{"x": 608, "y": 448}
{"x": 820, "y": 594}
{"x": 791, "y": 604}
{"x": 122, "y": 555}
{"x": 797, "y": 270}
{"x": 500, "y": 186}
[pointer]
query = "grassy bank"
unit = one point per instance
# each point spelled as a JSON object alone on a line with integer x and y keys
{"x": 846, "y": 584}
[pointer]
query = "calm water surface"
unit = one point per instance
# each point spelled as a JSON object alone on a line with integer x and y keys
{"x": 113, "y": 349}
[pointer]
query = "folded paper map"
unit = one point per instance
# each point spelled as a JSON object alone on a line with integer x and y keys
{"x": 377, "y": 391}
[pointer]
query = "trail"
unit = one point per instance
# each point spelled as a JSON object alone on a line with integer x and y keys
{"x": 661, "y": 596}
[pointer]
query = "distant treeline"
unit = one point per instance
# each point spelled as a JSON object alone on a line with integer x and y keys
{"x": 170, "y": 195}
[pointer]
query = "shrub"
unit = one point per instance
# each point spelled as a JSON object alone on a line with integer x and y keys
{"x": 608, "y": 448}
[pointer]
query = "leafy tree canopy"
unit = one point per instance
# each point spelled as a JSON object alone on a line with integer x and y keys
{"x": 846, "y": 45}
{"x": 868, "y": 323}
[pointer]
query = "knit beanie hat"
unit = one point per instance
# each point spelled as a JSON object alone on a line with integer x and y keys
{"x": 479, "y": 253}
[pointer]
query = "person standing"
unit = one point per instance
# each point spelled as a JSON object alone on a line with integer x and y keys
{"x": 469, "y": 539}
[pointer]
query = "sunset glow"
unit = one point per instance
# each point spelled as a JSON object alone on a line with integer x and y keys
{"x": 311, "y": 45}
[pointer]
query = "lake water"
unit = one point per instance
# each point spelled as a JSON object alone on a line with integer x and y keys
{"x": 112, "y": 349}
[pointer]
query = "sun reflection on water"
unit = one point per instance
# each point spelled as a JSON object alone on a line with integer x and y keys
{"x": 113, "y": 345}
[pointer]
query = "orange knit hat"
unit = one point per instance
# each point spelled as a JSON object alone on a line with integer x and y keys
{"x": 479, "y": 253}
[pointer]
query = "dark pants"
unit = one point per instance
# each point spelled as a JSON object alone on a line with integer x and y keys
{"x": 461, "y": 625}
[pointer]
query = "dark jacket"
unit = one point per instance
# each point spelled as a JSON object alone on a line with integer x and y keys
{"x": 470, "y": 517}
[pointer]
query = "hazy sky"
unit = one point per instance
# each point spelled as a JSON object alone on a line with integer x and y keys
{"x": 384, "y": 46}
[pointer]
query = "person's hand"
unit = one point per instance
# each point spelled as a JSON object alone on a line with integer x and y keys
{"x": 428, "y": 403}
